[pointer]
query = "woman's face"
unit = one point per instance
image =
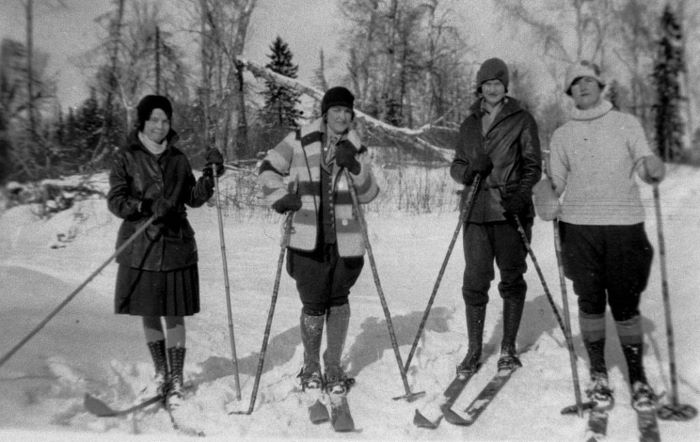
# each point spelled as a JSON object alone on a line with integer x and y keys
{"x": 493, "y": 91}
{"x": 157, "y": 126}
{"x": 586, "y": 92}
{"x": 338, "y": 119}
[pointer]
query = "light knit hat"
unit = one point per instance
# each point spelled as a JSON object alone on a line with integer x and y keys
{"x": 583, "y": 68}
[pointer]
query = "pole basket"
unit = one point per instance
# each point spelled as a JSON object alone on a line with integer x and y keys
{"x": 676, "y": 412}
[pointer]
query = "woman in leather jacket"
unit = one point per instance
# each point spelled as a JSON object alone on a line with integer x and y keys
{"x": 499, "y": 142}
{"x": 158, "y": 276}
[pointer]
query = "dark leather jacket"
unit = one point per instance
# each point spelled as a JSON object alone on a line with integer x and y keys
{"x": 135, "y": 175}
{"x": 512, "y": 142}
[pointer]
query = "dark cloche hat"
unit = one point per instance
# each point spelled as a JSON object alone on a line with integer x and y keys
{"x": 492, "y": 69}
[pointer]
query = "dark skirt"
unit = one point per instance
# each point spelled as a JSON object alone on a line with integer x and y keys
{"x": 146, "y": 293}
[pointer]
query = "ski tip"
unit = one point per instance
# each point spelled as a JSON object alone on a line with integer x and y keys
{"x": 410, "y": 397}
{"x": 678, "y": 412}
{"x": 455, "y": 419}
{"x": 421, "y": 421}
{"x": 97, "y": 407}
{"x": 573, "y": 409}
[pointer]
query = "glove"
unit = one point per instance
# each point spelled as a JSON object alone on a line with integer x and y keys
{"x": 161, "y": 207}
{"x": 290, "y": 201}
{"x": 215, "y": 161}
{"x": 481, "y": 165}
{"x": 515, "y": 203}
{"x": 345, "y": 157}
{"x": 654, "y": 170}
{"x": 146, "y": 207}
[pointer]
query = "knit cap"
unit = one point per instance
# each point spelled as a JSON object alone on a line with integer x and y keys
{"x": 583, "y": 68}
{"x": 492, "y": 69}
{"x": 150, "y": 102}
{"x": 337, "y": 96}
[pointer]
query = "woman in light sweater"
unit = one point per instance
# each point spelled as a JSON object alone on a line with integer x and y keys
{"x": 594, "y": 159}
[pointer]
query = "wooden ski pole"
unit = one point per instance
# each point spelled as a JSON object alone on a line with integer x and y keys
{"x": 467, "y": 204}
{"x": 70, "y": 297}
{"x": 409, "y": 396}
{"x": 548, "y": 293}
{"x": 567, "y": 320}
{"x": 222, "y": 241}
{"x": 270, "y": 314}
{"x": 675, "y": 410}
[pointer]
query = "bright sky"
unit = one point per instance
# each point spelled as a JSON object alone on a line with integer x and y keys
{"x": 307, "y": 25}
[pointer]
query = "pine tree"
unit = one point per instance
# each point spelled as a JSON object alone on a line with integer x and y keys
{"x": 667, "y": 67}
{"x": 281, "y": 101}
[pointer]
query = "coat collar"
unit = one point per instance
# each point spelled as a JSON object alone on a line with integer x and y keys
{"x": 319, "y": 125}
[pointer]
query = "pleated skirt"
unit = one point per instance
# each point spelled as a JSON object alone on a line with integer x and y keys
{"x": 147, "y": 293}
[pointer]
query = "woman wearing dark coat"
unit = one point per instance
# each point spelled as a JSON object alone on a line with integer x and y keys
{"x": 158, "y": 275}
{"x": 499, "y": 142}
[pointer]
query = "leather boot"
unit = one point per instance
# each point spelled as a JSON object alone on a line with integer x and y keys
{"x": 160, "y": 362}
{"x": 476, "y": 315}
{"x": 176, "y": 357}
{"x": 512, "y": 313}
{"x": 596, "y": 358}
{"x": 635, "y": 365}
{"x": 311, "y": 335}
{"x": 337, "y": 319}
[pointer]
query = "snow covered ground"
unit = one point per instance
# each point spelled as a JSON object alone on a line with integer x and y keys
{"x": 86, "y": 348}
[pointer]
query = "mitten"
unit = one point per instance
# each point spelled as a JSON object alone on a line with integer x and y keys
{"x": 654, "y": 169}
{"x": 290, "y": 201}
{"x": 215, "y": 161}
{"x": 345, "y": 157}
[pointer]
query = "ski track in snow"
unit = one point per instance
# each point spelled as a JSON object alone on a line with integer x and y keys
{"x": 86, "y": 348}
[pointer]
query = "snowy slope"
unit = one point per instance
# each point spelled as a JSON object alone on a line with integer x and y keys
{"x": 86, "y": 348}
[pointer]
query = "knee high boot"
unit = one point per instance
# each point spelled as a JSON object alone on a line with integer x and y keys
{"x": 337, "y": 320}
{"x": 476, "y": 315}
{"x": 593, "y": 334}
{"x": 512, "y": 313}
{"x": 160, "y": 362}
{"x": 176, "y": 357}
{"x": 311, "y": 334}
{"x": 632, "y": 342}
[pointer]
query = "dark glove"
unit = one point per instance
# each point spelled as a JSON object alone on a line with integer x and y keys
{"x": 290, "y": 201}
{"x": 215, "y": 161}
{"x": 345, "y": 157}
{"x": 516, "y": 203}
{"x": 146, "y": 207}
{"x": 161, "y": 207}
{"x": 481, "y": 165}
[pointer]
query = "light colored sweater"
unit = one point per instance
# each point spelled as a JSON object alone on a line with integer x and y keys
{"x": 593, "y": 160}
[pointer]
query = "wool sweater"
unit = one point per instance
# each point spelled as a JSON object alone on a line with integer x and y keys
{"x": 593, "y": 161}
{"x": 294, "y": 165}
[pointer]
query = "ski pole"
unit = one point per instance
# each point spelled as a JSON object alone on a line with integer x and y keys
{"x": 270, "y": 314}
{"x": 567, "y": 320}
{"x": 673, "y": 411}
{"x": 41, "y": 325}
{"x": 526, "y": 242}
{"x": 409, "y": 396}
{"x": 228, "y": 290}
{"x": 564, "y": 328}
{"x": 465, "y": 211}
